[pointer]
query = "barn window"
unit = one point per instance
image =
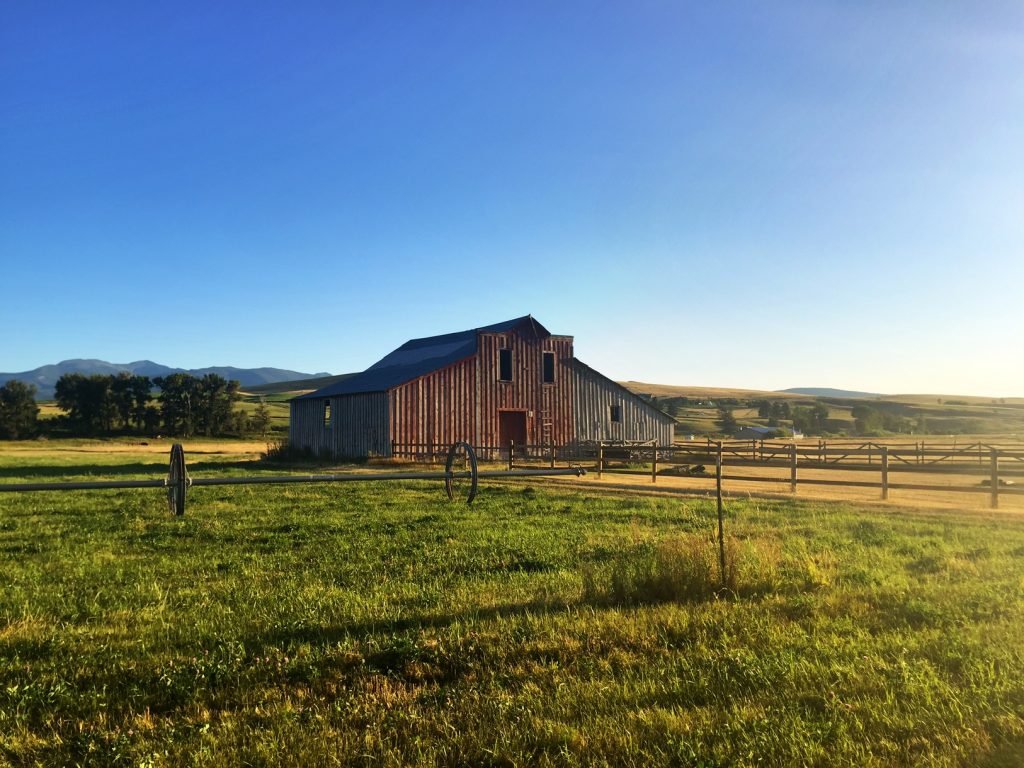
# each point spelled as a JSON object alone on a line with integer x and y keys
{"x": 549, "y": 367}
{"x": 327, "y": 415}
{"x": 505, "y": 365}
{"x": 616, "y": 413}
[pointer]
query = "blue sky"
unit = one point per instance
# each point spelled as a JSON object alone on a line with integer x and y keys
{"x": 756, "y": 195}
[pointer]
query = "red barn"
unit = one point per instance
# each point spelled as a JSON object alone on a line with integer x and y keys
{"x": 509, "y": 381}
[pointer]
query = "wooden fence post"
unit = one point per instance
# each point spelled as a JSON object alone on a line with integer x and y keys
{"x": 792, "y": 468}
{"x": 552, "y": 442}
{"x": 654, "y": 461}
{"x": 994, "y": 479}
{"x": 885, "y": 472}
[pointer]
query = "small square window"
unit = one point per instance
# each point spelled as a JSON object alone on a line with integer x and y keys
{"x": 327, "y": 415}
{"x": 616, "y": 413}
{"x": 505, "y": 365}
{"x": 549, "y": 368}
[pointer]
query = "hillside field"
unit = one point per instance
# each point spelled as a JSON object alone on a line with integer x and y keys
{"x": 937, "y": 415}
{"x": 379, "y": 624}
{"x": 697, "y": 409}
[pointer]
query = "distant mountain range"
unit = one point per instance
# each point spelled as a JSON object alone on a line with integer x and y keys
{"x": 829, "y": 392}
{"x": 45, "y": 377}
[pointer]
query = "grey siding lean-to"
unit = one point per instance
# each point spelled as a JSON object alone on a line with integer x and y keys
{"x": 358, "y": 427}
{"x": 593, "y": 398}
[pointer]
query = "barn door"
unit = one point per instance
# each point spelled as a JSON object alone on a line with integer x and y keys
{"x": 511, "y": 426}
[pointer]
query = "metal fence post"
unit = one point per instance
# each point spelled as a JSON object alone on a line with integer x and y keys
{"x": 792, "y": 468}
{"x": 994, "y": 479}
{"x": 885, "y": 472}
{"x": 721, "y": 511}
{"x": 654, "y": 461}
{"x": 511, "y": 451}
{"x": 600, "y": 459}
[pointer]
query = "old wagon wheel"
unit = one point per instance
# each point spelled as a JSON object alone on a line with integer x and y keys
{"x": 460, "y": 472}
{"x": 177, "y": 481}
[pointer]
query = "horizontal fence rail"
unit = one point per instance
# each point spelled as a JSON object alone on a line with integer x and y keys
{"x": 178, "y": 480}
{"x": 996, "y": 465}
{"x": 693, "y": 460}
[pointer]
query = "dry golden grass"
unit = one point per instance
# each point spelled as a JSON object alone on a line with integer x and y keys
{"x": 968, "y": 502}
{"x": 235, "y": 449}
{"x": 969, "y": 399}
{"x": 704, "y": 393}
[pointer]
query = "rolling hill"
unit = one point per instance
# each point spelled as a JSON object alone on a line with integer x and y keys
{"x": 45, "y": 377}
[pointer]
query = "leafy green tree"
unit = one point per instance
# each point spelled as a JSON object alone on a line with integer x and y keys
{"x": 872, "y": 421}
{"x": 124, "y": 390}
{"x": 88, "y": 402}
{"x": 189, "y": 405}
{"x": 726, "y": 421}
{"x": 261, "y": 418}
{"x": 216, "y": 397}
{"x": 131, "y": 396}
{"x": 177, "y": 395}
{"x": 18, "y": 410}
{"x": 819, "y": 415}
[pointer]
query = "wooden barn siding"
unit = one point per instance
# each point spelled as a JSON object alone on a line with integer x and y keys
{"x": 306, "y": 426}
{"x": 359, "y": 425}
{"x": 595, "y": 395}
{"x": 435, "y": 408}
{"x": 462, "y": 400}
{"x": 526, "y": 391}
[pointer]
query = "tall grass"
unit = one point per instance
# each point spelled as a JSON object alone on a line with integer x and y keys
{"x": 380, "y": 625}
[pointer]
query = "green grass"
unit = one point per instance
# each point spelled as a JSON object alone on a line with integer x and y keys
{"x": 378, "y": 624}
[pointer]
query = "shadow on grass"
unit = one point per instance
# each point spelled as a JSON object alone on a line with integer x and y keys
{"x": 331, "y": 635}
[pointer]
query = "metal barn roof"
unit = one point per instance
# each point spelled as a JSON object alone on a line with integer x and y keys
{"x": 418, "y": 357}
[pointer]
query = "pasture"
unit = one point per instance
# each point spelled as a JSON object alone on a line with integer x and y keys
{"x": 547, "y": 624}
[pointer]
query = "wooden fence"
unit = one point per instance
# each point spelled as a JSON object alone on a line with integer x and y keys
{"x": 919, "y": 452}
{"x": 996, "y": 468}
{"x": 880, "y": 464}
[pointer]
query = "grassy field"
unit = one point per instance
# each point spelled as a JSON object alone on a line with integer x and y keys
{"x": 545, "y": 625}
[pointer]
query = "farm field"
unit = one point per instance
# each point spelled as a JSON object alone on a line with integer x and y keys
{"x": 547, "y": 624}
{"x": 775, "y": 485}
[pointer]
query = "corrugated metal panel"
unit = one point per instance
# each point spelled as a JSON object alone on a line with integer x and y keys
{"x": 420, "y": 357}
{"x": 594, "y": 396}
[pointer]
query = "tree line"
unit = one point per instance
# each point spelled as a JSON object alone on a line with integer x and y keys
{"x": 184, "y": 406}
